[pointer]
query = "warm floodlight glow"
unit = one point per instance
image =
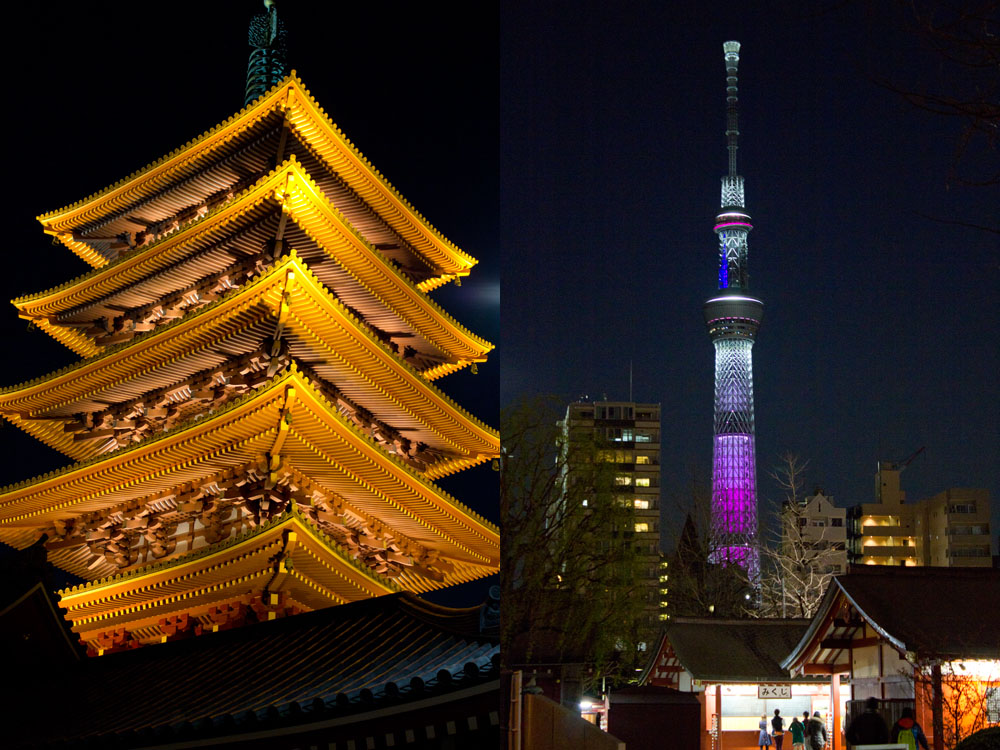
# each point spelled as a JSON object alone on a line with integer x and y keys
{"x": 987, "y": 670}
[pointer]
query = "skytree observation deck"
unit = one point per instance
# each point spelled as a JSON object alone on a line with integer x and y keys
{"x": 733, "y": 318}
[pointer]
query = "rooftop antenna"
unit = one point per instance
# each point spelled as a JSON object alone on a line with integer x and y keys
{"x": 267, "y": 35}
{"x": 630, "y": 380}
{"x": 732, "y": 51}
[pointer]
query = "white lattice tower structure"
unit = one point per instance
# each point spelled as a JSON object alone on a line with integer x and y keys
{"x": 733, "y": 317}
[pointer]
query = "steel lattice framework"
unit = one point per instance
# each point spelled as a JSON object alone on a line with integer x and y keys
{"x": 733, "y": 318}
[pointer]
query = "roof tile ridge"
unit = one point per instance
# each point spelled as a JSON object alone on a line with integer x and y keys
{"x": 406, "y": 365}
{"x": 335, "y": 129}
{"x": 307, "y": 178}
{"x": 139, "y": 337}
{"x": 145, "y": 442}
{"x": 167, "y": 157}
{"x": 316, "y": 394}
{"x": 173, "y": 237}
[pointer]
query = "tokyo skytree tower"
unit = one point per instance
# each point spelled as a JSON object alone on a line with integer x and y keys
{"x": 733, "y": 317}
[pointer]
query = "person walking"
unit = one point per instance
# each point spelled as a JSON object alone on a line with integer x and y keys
{"x": 815, "y": 733}
{"x": 764, "y": 740}
{"x": 868, "y": 728}
{"x": 798, "y": 732}
{"x": 907, "y": 731}
{"x": 777, "y": 729}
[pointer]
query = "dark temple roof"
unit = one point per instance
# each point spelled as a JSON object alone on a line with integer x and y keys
{"x": 931, "y": 612}
{"x": 328, "y": 663}
{"x": 735, "y": 650}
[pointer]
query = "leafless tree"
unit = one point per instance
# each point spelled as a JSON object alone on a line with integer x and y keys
{"x": 798, "y": 565}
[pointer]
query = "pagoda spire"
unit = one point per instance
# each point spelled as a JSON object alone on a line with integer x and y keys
{"x": 267, "y": 35}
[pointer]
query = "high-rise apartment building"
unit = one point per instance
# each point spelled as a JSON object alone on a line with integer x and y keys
{"x": 882, "y": 533}
{"x": 953, "y": 529}
{"x": 950, "y": 529}
{"x": 628, "y": 436}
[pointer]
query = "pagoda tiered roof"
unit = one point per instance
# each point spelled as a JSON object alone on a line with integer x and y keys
{"x": 255, "y": 423}
{"x": 217, "y": 251}
{"x": 285, "y": 426}
{"x": 321, "y": 333}
{"x": 207, "y": 167}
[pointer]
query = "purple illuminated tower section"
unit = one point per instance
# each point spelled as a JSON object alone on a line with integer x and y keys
{"x": 733, "y": 317}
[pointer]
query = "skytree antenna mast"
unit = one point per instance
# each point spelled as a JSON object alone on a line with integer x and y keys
{"x": 733, "y": 317}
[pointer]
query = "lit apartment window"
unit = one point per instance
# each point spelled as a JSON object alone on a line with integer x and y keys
{"x": 642, "y": 482}
{"x": 641, "y": 527}
{"x": 642, "y": 459}
{"x": 622, "y": 480}
{"x": 962, "y": 508}
{"x": 641, "y": 504}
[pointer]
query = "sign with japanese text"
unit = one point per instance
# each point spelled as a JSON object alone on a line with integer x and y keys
{"x": 774, "y": 691}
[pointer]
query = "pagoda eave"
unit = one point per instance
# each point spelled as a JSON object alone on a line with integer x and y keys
{"x": 286, "y": 188}
{"x": 287, "y": 557}
{"x": 290, "y": 99}
{"x": 324, "y": 334}
{"x": 288, "y": 418}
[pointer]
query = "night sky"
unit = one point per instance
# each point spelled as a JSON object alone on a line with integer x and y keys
{"x": 605, "y": 125}
{"x": 879, "y": 334}
{"x": 99, "y": 90}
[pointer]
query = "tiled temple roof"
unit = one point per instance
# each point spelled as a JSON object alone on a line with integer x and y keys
{"x": 333, "y": 663}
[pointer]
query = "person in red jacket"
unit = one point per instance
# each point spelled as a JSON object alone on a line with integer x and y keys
{"x": 907, "y": 731}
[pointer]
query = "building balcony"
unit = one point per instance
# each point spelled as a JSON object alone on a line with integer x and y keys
{"x": 885, "y": 550}
{"x": 883, "y": 531}
{"x": 968, "y": 532}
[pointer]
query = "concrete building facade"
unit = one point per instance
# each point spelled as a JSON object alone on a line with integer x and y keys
{"x": 953, "y": 529}
{"x": 950, "y": 529}
{"x": 821, "y": 527}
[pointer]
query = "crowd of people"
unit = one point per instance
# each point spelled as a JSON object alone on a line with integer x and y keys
{"x": 808, "y": 734}
{"x": 868, "y": 728}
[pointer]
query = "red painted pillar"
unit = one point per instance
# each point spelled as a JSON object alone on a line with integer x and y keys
{"x": 837, "y": 740}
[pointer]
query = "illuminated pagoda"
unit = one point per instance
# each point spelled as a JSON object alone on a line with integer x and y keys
{"x": 733, "y": 317}
{"x": 256, "y": 425}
